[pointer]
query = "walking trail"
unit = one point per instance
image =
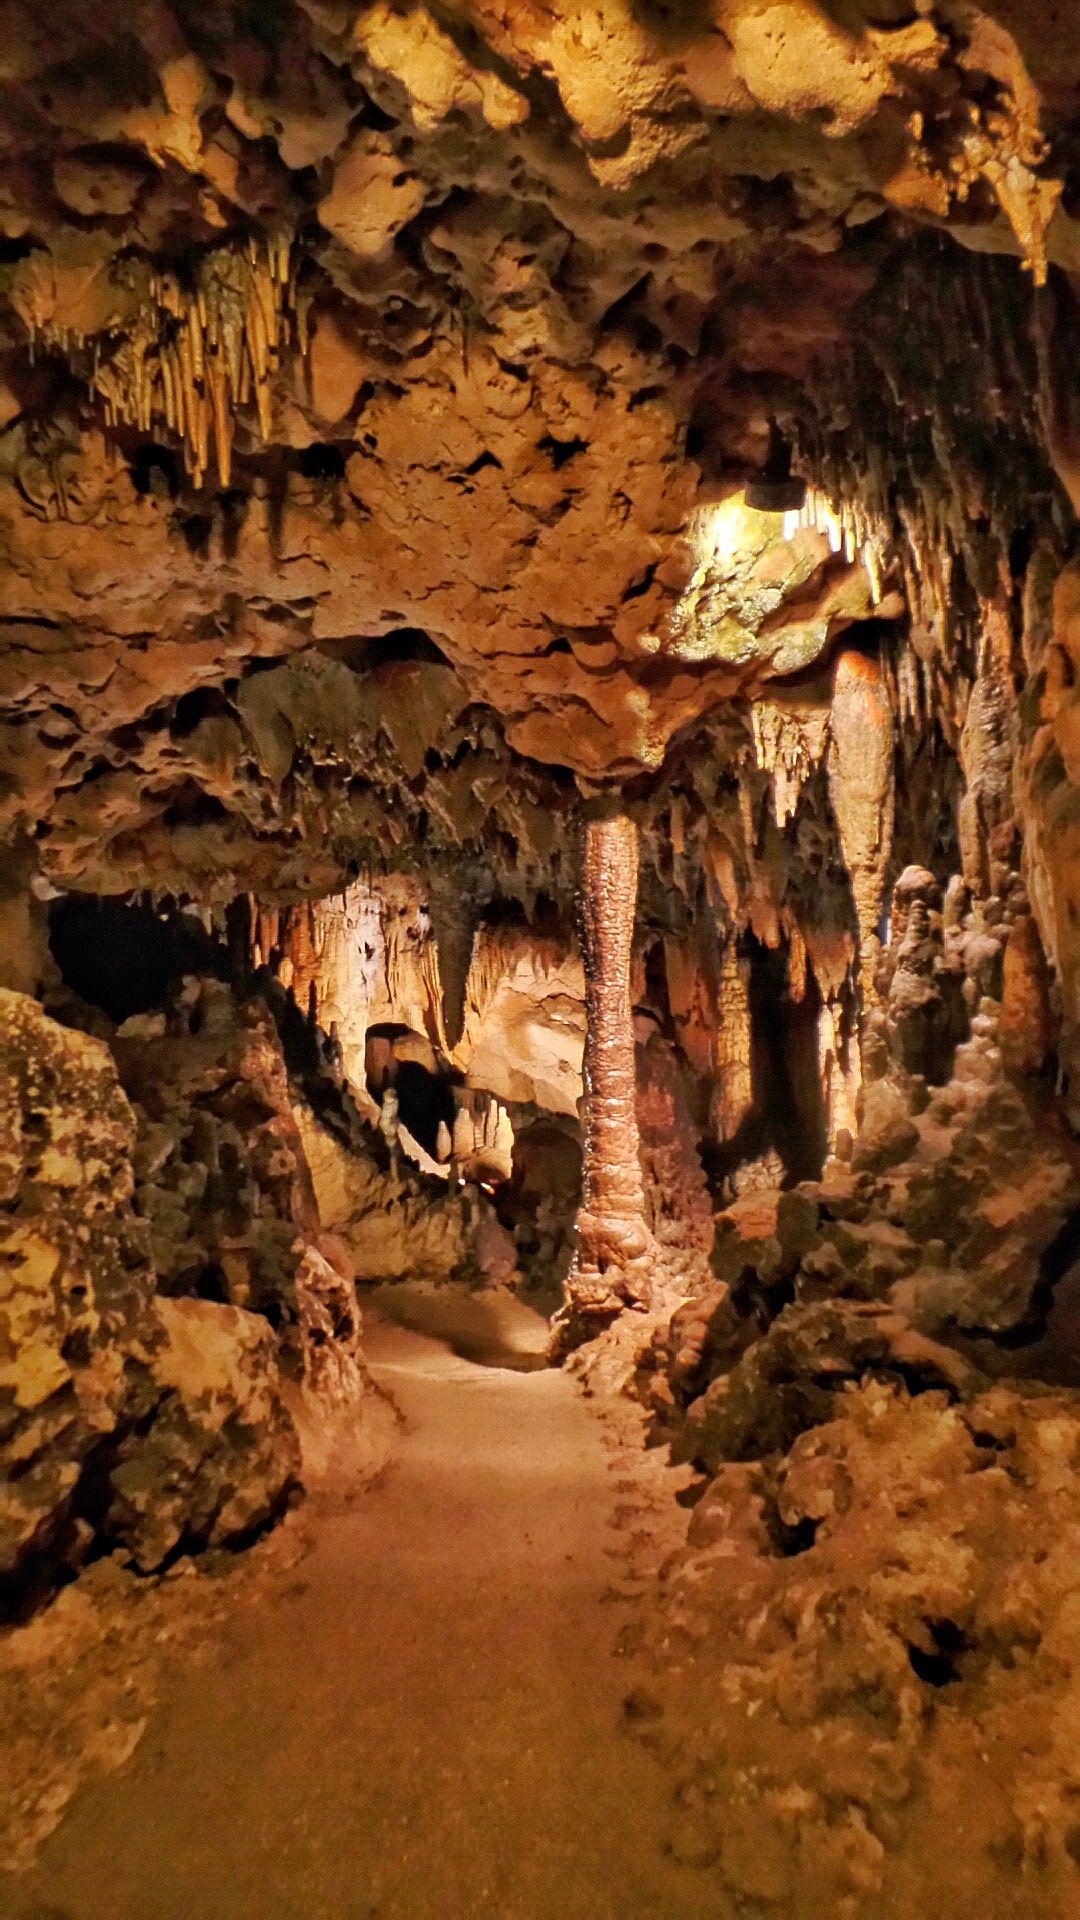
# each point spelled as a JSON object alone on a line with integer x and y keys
{"x": 427, "y": 1724}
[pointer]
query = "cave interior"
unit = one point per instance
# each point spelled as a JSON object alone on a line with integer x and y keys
{"x": 540, "y": 859}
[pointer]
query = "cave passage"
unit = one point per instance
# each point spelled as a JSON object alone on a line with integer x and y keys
{"x": 540, "y": 960}
{"x": 449, "y": 1628}
{"x": 788, "y": 1114}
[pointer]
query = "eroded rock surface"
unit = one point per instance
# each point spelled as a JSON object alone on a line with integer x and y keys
{"x": 883, "y": 1611}
{"x": 369, "y": 374}
{"x": 127, "y": 1420}
{"x": 80, "y": 1325}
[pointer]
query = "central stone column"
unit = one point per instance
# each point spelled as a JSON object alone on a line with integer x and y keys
{"x": 613, "y": 1256}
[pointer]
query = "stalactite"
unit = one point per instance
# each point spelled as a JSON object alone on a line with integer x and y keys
{"x": 942, "y": 471}
{"x": 733, "y": 1095}
{"x": 862, "y": 792}
{"x": 788, "y": 742}
{"x": 453, "y": 910}
{"x": 613, "y": 1256}
{"x": 194, "y": 355}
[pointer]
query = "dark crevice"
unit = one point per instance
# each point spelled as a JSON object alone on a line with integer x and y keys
{"x": 322, "y": 460}
{"x": 938, "y": 1664}
{"x": 559, "y": 452}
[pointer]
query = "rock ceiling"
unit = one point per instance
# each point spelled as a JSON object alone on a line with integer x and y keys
{"x": 376, "y": 384}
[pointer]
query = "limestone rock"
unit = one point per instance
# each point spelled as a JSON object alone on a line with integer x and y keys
{"x": 78, "y": 1315}
{"x": 222, "y": 1452}
{"x": 881, "y": 1608}
{"x": 220, "y": 1169}
{"x": 173, "y": 1405}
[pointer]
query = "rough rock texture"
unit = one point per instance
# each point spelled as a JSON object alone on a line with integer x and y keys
{"x": 376, "y": 375}
{"x": 393, "y": 1225}
{"x": 222, "y": 1450}
{"x": 119, "y": 1424}
{"x": 220, "y": 1172}
{"x": 883, "y": 1616}
{"x": 613, "y": 1252}
{"x": 223, "y": 1181}
{"x": 874, "y": 1597}
{"x": 78, "y": 1317}
{"x": 221, "y": 1177}
{"x": 942, "y": 1234}
{"x": 679, "y": 1210}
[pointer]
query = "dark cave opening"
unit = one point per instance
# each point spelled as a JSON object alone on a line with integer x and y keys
{"x": 784, "y": 1061}
{"x": 122, "y": 955}
{"x": 425, "y": 1097}
{"x": 424, "y": 1100}
{"x": 787, "y": 1115}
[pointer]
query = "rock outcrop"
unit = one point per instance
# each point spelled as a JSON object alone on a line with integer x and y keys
{"x": 882, "y": 1613}
{"x": 126, "y": 1420}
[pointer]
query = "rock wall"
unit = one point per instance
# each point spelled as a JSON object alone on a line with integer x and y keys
{"x": 883, "y": 1612}
{"x": 879, "y": 1398}
{"x": 222, "y": 1180}
{"x": 127, "y": 1420}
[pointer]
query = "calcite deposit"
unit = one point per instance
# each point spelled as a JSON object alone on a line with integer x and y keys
{"x": 420, "y": 350}
{"x": 613, "y": 1257}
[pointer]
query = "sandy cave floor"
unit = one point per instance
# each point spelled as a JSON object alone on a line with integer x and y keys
{"x": 427, "y": 1720}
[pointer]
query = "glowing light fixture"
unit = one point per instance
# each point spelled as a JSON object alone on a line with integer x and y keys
{"x": 777, "y": 490}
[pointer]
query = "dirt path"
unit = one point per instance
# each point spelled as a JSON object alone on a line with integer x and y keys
{"x": 426, "y": 1724}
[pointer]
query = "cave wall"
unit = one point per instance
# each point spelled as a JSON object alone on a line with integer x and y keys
{"x": 131, "y": 1420}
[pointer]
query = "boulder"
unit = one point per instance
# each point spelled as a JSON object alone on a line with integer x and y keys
{"x": 221, "y": 1452}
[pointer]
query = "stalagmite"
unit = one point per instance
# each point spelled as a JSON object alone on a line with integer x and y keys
{"x": 838, "y": 1068}
{"x": 613, "y": 1255}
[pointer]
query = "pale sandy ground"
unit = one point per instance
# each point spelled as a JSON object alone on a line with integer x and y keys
{"x": 426, "y": 1724}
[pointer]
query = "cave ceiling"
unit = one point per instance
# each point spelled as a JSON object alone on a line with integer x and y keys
{"x": 377, "y": 385}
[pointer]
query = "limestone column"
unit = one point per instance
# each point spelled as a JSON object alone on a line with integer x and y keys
{"x": 613, "y": 1252}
